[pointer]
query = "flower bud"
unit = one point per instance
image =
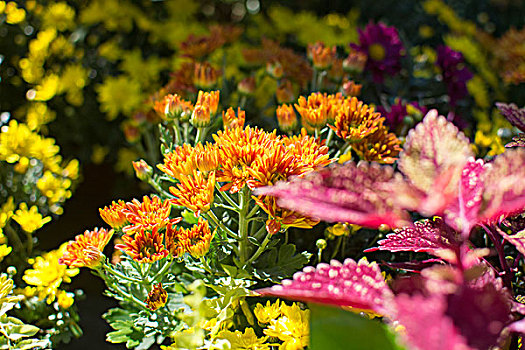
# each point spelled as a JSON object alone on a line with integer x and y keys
{"x": 143, "y": 171}
{"x": 247, "y": 86}
{"x": 354, "y": 63}
{"x": 275, "y": 69}
{"x": 286, "y": 118}
{"x": 205, "y": 76}
{"x": 322, "y": 56}
{"x": 351, "y": 89}
{"x": 284, "y": 92}
{"x": 201, "y": 116}
{"x": 321, "y": 244}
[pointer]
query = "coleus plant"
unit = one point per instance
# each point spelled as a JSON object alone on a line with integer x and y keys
{"x": 458, "y": 300}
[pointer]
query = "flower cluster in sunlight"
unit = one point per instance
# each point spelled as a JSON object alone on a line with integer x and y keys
{"x": 47, "y": 275}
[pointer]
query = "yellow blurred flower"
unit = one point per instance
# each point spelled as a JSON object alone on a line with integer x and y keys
{"x": 30, "y": 219}
{"x": 292, "y": 327}
{"x": 5, "y": 250}
{"x": 244, "y": 341}
{"x": 54, "y": 187}
{"x": 59, "y": 15}
{"x": 119, "y": 95}
{"x": 39, "y": 114}
{"x": 14, "y": 14}
{"x": 65, "y": 299}
{"x": 6, "y": 287}
{"x": 47, "y": 274}
{"x": 6, "y": 211}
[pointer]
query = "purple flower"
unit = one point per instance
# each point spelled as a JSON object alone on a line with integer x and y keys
{"x": 383, "y": 48}
{"x": 455, "y": 73}
{"x": 515, "y": 115}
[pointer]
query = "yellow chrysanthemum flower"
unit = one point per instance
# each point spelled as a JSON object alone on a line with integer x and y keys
{"x": 39, "y": 114}
{"x": 244, "y": 341}
{"x": 47, "y": 274}
{"x": 6, "y": 287}
{"x": 30, "y": 219}
{"x": 5, "y": 250}
{"x": 292, "y": 327}
{"x": 266, "y": 313}
{"x": 6, "y": 211}
{"x": 14, "y": 14}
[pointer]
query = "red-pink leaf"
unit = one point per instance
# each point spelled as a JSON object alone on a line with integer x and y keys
{"x": 433, "y": 157}
{"x": 359, "y": 194}
{"x": 356, "y": 284}
{"x": 462, "y": 214}
{"x": 426, "y": 236}
{"x": 425, "y": 323}
{"x": 480, "y": 314}
{"x": 504, "y": 181}
{"x": 518, "y": 326}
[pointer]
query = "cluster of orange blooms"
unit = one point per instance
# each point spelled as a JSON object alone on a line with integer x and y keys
{"x": 242, "y": 157}
{"x": 350, "y": 119}
{"x": 149, "y": 234}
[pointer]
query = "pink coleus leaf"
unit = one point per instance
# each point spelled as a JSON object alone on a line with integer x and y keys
{"x": 433, "y": 157}
{"x": 426, "y": 236}
{"x": 480, "y": 313}
{"x": 425, "y": 325}
{"x": 353, "y": 193}
{"x": 355, "y": 284}
{"x": 518, "y": 326}
{"x": 462, "y": 214}
{"x": 504, "y": 181}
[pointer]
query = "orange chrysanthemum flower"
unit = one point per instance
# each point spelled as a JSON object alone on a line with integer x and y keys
{"x": 238, "y": 149}
{"x": 195, "y": 192}
{"x": 151, "y": 213}
{"x": 86, "y": 250}
{"x": 381, "y": 146}
{"x": 230, "y": 120}
{"x": 280, "y": 218}
{"x": 314, "y": 110}
{"x": 157, "y": 297}
{"x": 114, "y": 214}
{"x": 172, "y": 106}
{"x": 206, "y": 158}
{"x": 308, "y": 153}
{"x": 196, "y": 240}
{"x": 355, "y": 120}
{"x": 351, "y": 89}
{"x": 179, "y": 163}
{"x": 145, "y": 246}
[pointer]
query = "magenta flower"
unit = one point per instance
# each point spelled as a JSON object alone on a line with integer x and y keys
{"x": 455, "y": 73}
{"x": 383, "y": 48}
{"x": 395, "y": 117}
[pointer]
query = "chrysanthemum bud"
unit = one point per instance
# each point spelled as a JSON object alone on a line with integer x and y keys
{"x": 275, "y": 69}
{"x": 205, "y": 76}
{"x": 286, "y": 118}
{"x": 142, "y": 170}
{"x": 131, "y": 131}
{"x": 322, "y": 56}
{"x": 201, "y": 116}
{"x": 231, "y": 121}
{"x": 157, "y": 297}
{"x": 354, "y": 63}
{"x": 321, "y": 244}
{"x": 284, "y": 92}
{"x": 351, "y": 89}
{"x": 246, "y": 86}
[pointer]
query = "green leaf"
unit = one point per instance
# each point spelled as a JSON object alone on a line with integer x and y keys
{"x": 335, "y": 328}
{"x": 279, "y": 263}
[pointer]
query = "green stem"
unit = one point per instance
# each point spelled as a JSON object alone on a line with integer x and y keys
{"x": 210, "y": 216}
{"x": 120, "y": 275}
{"x": 253, "y": 212}
{"x": 338, "y": 245}
{"x": 227, "y": 198}
{"x": 244, "y": 200}
{"x": 159, "y": 189}
{"x": 128, "y": 296}
{"x": 201, "y": 135}
{"x": 186, "y": 129}
{"x": 205, "y": 266}
{"x": 329, "y": 137}
{"x": 13, "y": 238}
{"x": 313, "y": 83}
{"x": 29, "y": 247}
{"x": 260, "y": 250}
{"x": 343, "y": 149}
{"x": 163, "y": 270}
{"x": 176, "y": 130}
{"x": 242, "y": 101}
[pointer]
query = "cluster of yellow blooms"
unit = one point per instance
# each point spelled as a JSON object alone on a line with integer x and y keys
{"x": 285, "y": 326}
{"x": 26, "y": 150}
